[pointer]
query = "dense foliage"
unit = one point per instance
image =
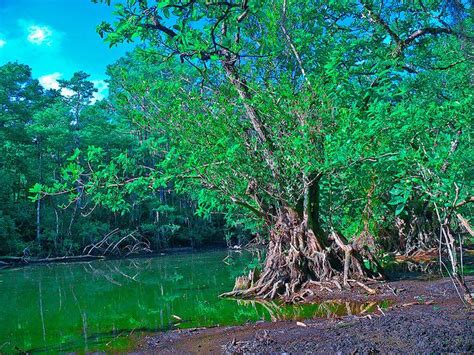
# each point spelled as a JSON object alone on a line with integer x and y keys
{"x": 321, "y": 119}
{"x": 335, "y": 129}
{"x": 44, "y": 139}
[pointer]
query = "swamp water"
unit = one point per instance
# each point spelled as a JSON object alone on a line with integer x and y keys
{"x": 107, "y": 305}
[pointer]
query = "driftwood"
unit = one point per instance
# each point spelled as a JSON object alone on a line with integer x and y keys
{"x": 13, "y": 260}
{"x": 132, "y": 243}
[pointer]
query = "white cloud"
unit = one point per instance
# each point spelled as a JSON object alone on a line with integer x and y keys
{"x": 2, "y": 43}
{"x": 39, "y": 35}
{"x": 67, "y": 92}
{"x": 102, "y": 90}
{"x": 50, "y": 81}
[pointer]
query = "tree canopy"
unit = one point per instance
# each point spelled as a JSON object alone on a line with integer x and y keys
{"x": 288, "y": 109}
{"x": 336, "y": 130}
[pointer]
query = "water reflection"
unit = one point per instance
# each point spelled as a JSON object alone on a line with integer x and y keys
{"x": 276, "y": 311}
{"x": 103, "y": 305}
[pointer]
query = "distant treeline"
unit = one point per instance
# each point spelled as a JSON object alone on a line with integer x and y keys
{"x": 44, "y": 137}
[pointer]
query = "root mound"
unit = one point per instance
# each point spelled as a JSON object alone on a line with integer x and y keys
{"x": 296, "y": 256}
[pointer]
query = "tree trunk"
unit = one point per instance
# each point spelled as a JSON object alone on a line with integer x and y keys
{"x": 38, "y": 220}
{"x": 299, "y": 250}
{"x": 38, "y": 203}
{"x": 296, "y": 255}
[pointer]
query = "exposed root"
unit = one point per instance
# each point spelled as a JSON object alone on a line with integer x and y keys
{"x": 296, "y": 257}
{"x": 365, "y": 287}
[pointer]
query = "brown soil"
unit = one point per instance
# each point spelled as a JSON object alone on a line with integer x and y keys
{"x": 426, "y": 316}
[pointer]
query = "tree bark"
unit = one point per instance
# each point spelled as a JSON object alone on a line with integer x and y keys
{"x": 38, "y": 203}
{"x": 312, "y": 201}
{"x": 297, "y": 255}
{"x": 242, "y": 89}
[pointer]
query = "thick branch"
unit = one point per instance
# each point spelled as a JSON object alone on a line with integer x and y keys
{"x": 157, "y": 25}
{"x": 466, "y": 201}
{"x": 378, "y": 19}
{"x": 425, "y": 31}
{"x": 254, "y": 210}
{"x": 446, "y": 67}
{"x": 403, "y": 43}
{"x": 244, "y": 93}
{"x": 292, "y": 46}
{"x": 465, "y": 224}
{"x": 160, "y": 27}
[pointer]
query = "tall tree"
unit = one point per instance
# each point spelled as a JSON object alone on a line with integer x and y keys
{"x": 21, "y": 97}
{"x": 78, "y": 93}
{"x": 255, "y": 98}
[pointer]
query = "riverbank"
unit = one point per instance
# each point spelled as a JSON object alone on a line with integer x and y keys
{"x": 425, "y": 316}
{"x": 17, "y": 261}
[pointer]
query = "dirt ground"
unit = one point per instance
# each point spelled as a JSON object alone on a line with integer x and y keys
{"x": 425, "y": 316}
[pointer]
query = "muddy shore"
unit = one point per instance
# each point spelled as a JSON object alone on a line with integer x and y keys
{"x": 424, "y": 316}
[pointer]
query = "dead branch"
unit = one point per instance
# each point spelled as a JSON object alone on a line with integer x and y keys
{"x": 465, "y": 224}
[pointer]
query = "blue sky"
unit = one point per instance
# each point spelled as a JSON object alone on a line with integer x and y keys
{"x": 57, "y": 38}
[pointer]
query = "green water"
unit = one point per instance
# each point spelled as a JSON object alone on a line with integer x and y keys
{"x": 107, "y": 305}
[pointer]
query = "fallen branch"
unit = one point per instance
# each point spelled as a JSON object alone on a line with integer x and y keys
{"x": 12, "y": 261}
{"x": 465, "y": 224}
